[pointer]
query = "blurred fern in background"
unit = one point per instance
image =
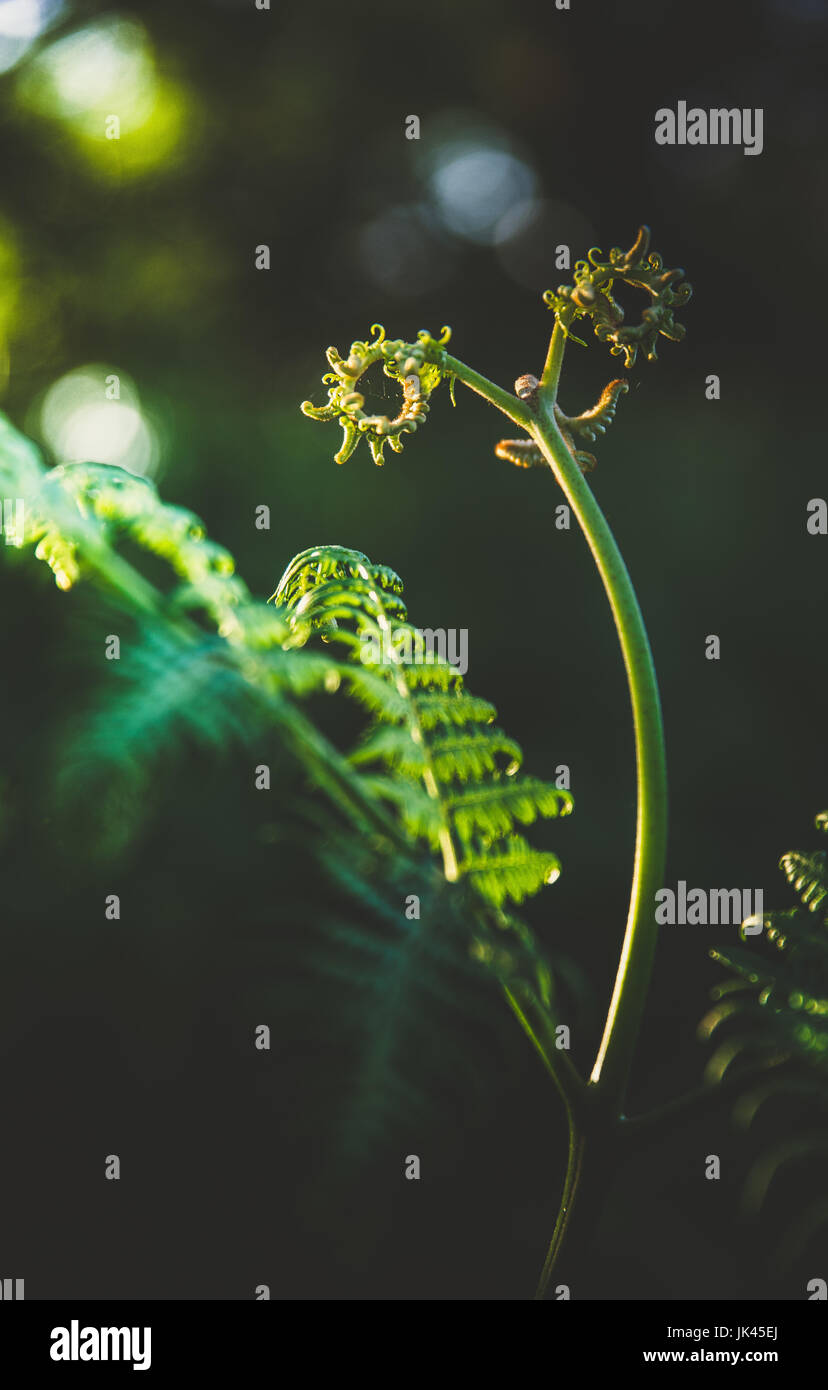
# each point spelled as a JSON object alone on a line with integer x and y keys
{"x": 770, "y": 1024}
{"x": 206, "y": 666}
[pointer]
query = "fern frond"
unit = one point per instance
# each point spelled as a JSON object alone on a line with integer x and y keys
{"x": 434, "y": 769}
{"x": 791, "y": 983}
{"x": 416, "y": 809}
{"x": 75, "y": 516}
{"x": 493, "y": 809}
{"x": 436, "y": 740}
{"x": 461, "y": 758}
{"x": 514, "y": 870}
{"x": 808, "y": 875}
{"x": 112, "y": 502}
{"x": 385, "y": 985}
{"x": 311, "y": 567}
{"x": 389, "y": 705}
{"x": 164, "y": 695}
{"x": 771, "y": 1022}
{"x": 413, "y": 1005}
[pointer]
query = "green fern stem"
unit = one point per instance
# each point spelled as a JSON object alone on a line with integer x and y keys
{"x": 535, "y": 1025}
{"x": 605, "y": 1093}
{"x": 548, "y": 391}
{"x": 612, "y": 1064}
{"x": 495, "y": 395}
{"x": 574, "y": 1173}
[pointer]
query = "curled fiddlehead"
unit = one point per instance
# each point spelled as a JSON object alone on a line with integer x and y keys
{"x": 417, "y": 367}
{"x": 591, "y": 297}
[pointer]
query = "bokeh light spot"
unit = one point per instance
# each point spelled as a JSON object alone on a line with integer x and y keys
{"x": 80, "y": 424}
{"x": 474, "y": 187}
{"x": 107, "y": 70}
{"x": 21, "y": 22}
{"x": 105, "y": 67}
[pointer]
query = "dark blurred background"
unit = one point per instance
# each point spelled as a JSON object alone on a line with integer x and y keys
{"x": 136, "y": 257}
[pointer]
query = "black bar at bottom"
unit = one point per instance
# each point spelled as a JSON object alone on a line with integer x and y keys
{"x": 398, "y": 1339}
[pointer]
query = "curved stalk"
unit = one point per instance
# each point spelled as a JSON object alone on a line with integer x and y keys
{"x": 605, "y": 1093}
{"x": 558, "y": 1064}
{"x": 552, "y": 366}
{"x": 574, "y": 1166}
{"x": 612, "y": 1064}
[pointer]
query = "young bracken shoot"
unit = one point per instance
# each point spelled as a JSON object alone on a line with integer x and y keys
{"x": 595, "y": 1106}
{"x": 432, "y": 780}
